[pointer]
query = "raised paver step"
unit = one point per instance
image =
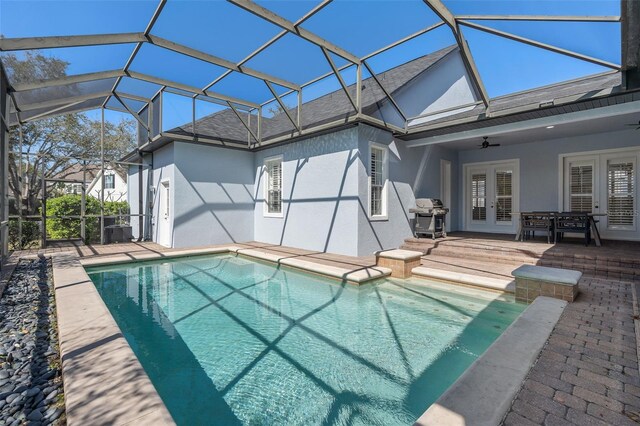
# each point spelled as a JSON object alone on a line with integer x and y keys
{"x": 518, "y": 251}
{"x": 494, "y": 264}
{"x": 460, "y": 252}
{"x": 468, "y": 266}
{"x": 505, "y": 285}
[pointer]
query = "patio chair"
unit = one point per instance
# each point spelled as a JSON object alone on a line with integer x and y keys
{"x": 536, "y": 221}
{"x": 575, "y": 222}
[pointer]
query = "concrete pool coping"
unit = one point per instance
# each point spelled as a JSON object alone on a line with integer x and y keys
{"x": 104, "y": 382}
{"x": 358, "y": 275}
{"x": 483, "y": 394}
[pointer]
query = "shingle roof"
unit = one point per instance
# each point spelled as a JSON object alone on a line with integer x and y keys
{"x": 74, "y": 172}
{"x": 529, "y": 104}
{"x": 225, "y": 125}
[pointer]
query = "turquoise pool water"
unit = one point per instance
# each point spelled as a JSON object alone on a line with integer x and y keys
{"x": 226, "y": 340}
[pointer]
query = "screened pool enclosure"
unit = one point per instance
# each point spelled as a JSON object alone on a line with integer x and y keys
{"x": 274, "y": 71}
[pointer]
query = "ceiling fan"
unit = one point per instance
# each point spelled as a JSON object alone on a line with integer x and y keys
{"x": 485, "y": 143}
{"x": 635, "y": 124}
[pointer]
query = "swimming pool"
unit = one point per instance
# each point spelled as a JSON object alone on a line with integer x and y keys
{"x": 227, "y": 340}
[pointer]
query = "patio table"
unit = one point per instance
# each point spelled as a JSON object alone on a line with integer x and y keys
{"x": 592, "y": 222}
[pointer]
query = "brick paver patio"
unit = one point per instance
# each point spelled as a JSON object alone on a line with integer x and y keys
{"x": 587, "y": 374}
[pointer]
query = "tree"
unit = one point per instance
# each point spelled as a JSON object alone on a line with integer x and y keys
{"x": 57, "y": 139}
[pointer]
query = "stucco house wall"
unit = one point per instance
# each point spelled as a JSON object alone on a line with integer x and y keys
{"x": 411, "y": 172}
{"x": 217, "y": 194}
{"x": 319, "y": 192}
{"x": 213, "y": 195}
{"x": 163, "y": 168}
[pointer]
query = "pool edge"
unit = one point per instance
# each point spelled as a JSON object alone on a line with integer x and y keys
{"x": 104, "y": 382}
{"x": 356, "y": 276}
{"x": 483, "y": 394}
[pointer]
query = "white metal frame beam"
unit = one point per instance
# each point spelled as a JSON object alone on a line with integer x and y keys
{"x": 187, "y": 88}
{"x": 237, "y": 114}
{"x": 56, "y": 102}
{"x": 403, "y": 40}
{"x": 285, "y": 24}
{"x": 387, "y": 94}
{"x": 136, "y": 49}
{"x": 340, "y": 79}
{"x": 540, "y": 45}
{"x": 284, "y": 107}
{"x": 445, "y": 14}
{"x": 274, "y": 39}
{"x": 230, "y": 66}
{"x": 130, "y": 111}
{"x": 556, "y": 18}
{"x": 54, "y": 42}
{"x": 63, "y": 81}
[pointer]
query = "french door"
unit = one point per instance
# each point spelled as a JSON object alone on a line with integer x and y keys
{"x": 491, "y": 197}
{"x": 605, "y": 184}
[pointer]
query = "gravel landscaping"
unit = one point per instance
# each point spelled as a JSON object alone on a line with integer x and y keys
{"x": 30, "y": 378}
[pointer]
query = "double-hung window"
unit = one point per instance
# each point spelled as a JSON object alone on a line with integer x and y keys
{"x": 273, "y": 187}
{"x": 109, "y": 182}
{"x": 378, "y": 165}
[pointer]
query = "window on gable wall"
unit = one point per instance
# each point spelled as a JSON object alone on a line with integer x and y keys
{"x": 109, "y": 182}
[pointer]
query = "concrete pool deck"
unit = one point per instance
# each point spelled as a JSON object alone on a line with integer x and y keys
{"x": 104, "y": 383}
{"x": 587, "y": 373}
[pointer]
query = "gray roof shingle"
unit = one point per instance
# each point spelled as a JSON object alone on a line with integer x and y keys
{"x": 226, "y": 126}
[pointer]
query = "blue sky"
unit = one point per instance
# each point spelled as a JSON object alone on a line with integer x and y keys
{"x": 359, "y": 26}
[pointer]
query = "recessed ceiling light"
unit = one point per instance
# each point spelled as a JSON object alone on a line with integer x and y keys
{"x": 550, "y": 127}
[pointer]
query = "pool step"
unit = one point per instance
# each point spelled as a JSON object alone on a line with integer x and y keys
{"x": 469, "y": 266}
{"x": 504, "y": 285}
{"x": 491, "y": 254}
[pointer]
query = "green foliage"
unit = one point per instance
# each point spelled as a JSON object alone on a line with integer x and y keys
{"x": 31, "y": 235}
{"x": 71, "y": 205}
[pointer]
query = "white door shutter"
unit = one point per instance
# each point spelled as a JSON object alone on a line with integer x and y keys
{"x": 504, "y": 195}
{"x": 621, "y": 194}
{"x": 581, "y": 188}
{"x": 479, "y": 196}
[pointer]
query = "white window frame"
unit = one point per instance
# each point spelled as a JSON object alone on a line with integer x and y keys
{"x": 114, "y": 181}
{"x": 265, "y": 204}
{"x": 385, "y": 179}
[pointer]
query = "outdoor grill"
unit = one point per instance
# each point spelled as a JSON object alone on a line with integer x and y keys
{"x": 430, "y": 217}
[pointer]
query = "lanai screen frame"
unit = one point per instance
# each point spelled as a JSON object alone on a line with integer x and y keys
{"x": 48, "y": 108}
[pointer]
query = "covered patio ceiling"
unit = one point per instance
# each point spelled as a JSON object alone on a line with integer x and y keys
{"x": 558, "y": 127}
{"x": 254, "y": 57}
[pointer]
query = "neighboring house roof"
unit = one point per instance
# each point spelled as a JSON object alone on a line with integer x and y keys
{"x": 225, "y": 125}
{"x": 75, "y": 172}
{"x": 93, "y": 171}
